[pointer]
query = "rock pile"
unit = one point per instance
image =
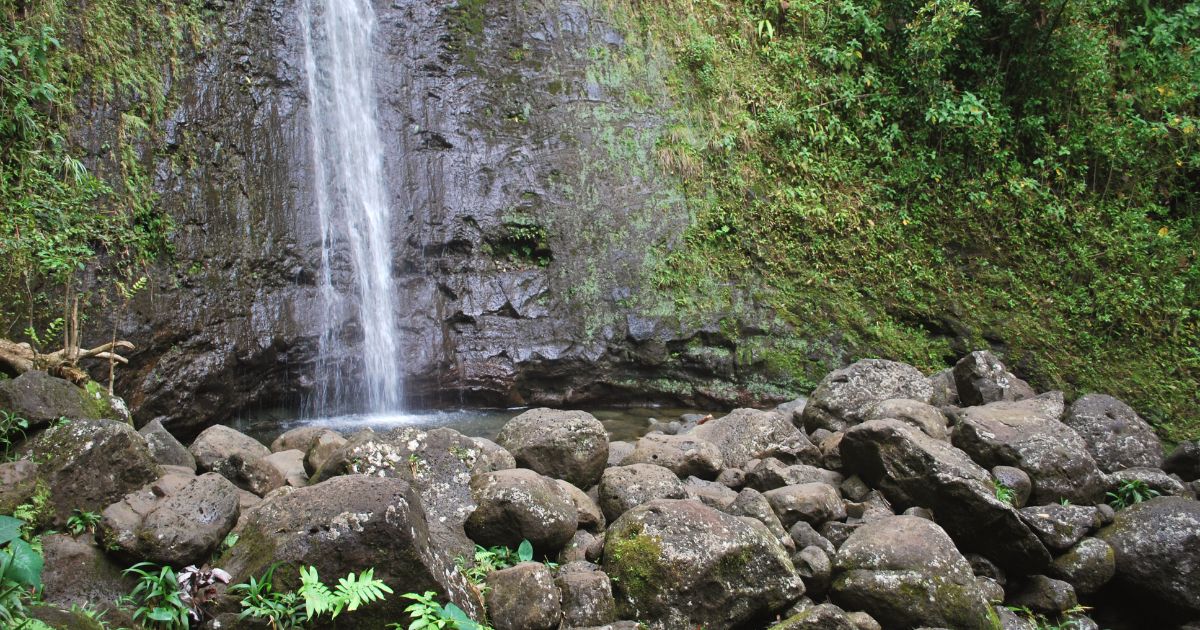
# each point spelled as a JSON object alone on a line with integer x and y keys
{"x": 889, "y": 500}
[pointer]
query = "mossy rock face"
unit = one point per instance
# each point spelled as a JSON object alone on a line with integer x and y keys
{"x": 905, "y": 572}
{"x": 680, "y": 563}
{"x": 90, "y": 464}
{"x": 1157, "y": 547}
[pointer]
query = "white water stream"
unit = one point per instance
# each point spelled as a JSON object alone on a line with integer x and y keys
{"x": 352, "y": 201}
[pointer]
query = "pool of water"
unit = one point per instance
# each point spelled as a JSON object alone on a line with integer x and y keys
{"x": 627, "y": 423}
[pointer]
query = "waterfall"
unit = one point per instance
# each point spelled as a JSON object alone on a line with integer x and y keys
{"x": 352, "y": 204}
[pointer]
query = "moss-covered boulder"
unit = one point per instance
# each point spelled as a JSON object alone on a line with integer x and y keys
{"x": 18, "y": 482}
{"x": 77, "y": 572}
{"x": 905, "y": 572}
{"x": 682, "y": 564}
{"x": 42, "y": 399}
{"x": 351, "y": 523}
{"x": 90, "y": 464}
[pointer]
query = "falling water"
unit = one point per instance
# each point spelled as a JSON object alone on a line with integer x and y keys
{"x": 351, "y": 198}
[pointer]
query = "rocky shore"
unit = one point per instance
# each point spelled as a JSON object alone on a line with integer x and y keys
{"x": 888, "y": 499}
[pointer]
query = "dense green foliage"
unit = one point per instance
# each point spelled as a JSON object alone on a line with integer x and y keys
{"x": 83, "y": 86}
{"x": 915, "y": 179}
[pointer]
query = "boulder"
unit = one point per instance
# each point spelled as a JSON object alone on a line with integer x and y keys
{"x": 176, "y": 520}
{"x": 491, "y": 457}
{"x": 813, "y": 503}
{"x": 1115, "y": 435}
{"x": 625, "y": 487}
{"x": 520, "y": 504}
{"x": 1027, "y": 435}
{"x": 815, "y": 567}
{"x": 279, "y": 469}
{"x": 770, "y": 473}
{"x": 1015, "y": 480}
{"x": 678, "y": 563}
{"x": 1184, "y": 461}
{"x": 819, "y": 617}
{"x": 165, "y": 449}
{"x": 746, "y": 434}
{"x": 567, "y": 445}
{"x": 226, "y": 451}
{"x": 710, "y": 493}
{"x": 346, "y": 524}
{"x": 323, "y": 447}
{"x": 923, "y": 416}
{"x": 684, "y": 455}
{"x": 1154, "y": 479}
{"x": 913, "y": 469}
{"x": 843, "y": 398}
{"x": 578, "y": 548}
{"x": 980, "y": 378}
{"x": 77, "y": 572}
{"x": 805, "y": 535}
{"x": 1060, "y": 526}
{"x": 587, "y": 597}
{"x": 523, "y": 597}
{"x": 752, "y": 503}
{"x": 18, "y": 483}
{"x": 1087, "y": 566}
{"x": 587, "y": 511}
{"x": 438, "y": 463}
{"x": 42, "y": 399}
{"x": 905, "y": 572}
{"x": 618, "y": 451}
{"x": 299, "y": 439}
{"x": 1044, "y": 596}
{"x": 90, "y": 464}
{"x": 945, "y": 392}
{"x": 1157, "y": 547}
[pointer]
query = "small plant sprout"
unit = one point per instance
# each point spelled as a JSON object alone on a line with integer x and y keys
{"x": 1003, "y": 492}
{"x": 1129, "y": 493}
{"x": 81, "y": 521}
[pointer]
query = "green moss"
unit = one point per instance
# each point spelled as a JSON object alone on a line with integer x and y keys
{"x": 636, "y": 561}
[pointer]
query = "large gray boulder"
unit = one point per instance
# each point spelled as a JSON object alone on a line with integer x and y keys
{"x": 346, "y": 524}
{"x": 177, "y": 520}
{"x": 1028, "y": 435}
{"x": 567, "y": 445}
{"x": 915, "y": 470}
{"x": 523, "y": 597}
{"x": 437, "y": 463}
{"x": 226, "y": 451}
{"x": 684, "y": 455}
{"x": 1115, "y": 435}
{"x": 1157, "y": 547}
{"x": 770, "y": 473}
{"x": 520, "y": 504}
{"x": 746, "y": 434}
{"x": 844, "y": 397}
{"x": 625, "y": 487}
{"x": 681, "y": 564}
{"x": 905, "y": 572}
{"x": 90, "y": 464}
{"x": 1060, "y": 526}
{"x": 165, "y": 449}
{"x": 980, "y": 378}
{"x": 18, "y": 483}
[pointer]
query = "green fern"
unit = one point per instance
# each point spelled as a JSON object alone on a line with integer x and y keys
{"x": 318, "y": 599}
{"x": 355, "y": 592}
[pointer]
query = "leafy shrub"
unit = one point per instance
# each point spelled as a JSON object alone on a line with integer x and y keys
{"x": 156, "y": 597}
{"x": 427, "y": 613}
{"x": 20, "y": 571}
{"x": 12, "y": 431}
{"x": 292, "y": 609}
{"x": 81, "y": 521}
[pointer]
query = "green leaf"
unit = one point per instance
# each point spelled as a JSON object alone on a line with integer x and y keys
{"x": 10, "y": 529}
{"x": 26, "y": 567}
{"x": 525, "y": 551}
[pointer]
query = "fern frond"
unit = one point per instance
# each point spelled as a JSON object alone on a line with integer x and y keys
{"x": 317, "y": 597}
{"x": 352, "y": 591}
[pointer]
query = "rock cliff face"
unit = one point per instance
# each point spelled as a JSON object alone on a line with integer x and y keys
{"x": 528, "y": 210}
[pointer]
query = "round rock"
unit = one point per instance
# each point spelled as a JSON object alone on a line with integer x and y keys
{"x": 520, "y": 504}
{"x": 567, "y": 445}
